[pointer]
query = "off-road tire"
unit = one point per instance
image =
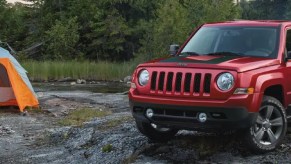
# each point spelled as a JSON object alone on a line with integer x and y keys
{"x": 153, "y": 134}
{"x": 252, "y": 134}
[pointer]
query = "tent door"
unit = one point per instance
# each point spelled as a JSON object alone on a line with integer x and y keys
{"x": 6, "y": 91}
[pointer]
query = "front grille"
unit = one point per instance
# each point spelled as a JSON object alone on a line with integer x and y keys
{"x": 181, "y": 83}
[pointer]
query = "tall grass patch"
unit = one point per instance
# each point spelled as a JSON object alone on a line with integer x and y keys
{"x": 78, "y": 117}
{"x": 54, "y": 70}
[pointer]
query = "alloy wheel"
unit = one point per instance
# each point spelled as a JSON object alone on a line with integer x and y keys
{"x": 269, "y": 125}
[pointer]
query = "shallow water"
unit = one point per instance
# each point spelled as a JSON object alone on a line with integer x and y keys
{"x": 100, "y": 87}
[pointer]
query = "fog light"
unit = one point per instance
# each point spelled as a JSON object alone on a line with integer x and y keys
{"x": 149, "y": 113}
{"x": 202, "y": 117}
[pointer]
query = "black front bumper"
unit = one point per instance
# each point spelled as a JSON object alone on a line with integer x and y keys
{"x": 186, "y": 117}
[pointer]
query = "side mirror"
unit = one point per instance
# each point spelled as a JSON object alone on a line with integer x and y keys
{"x": 174, "y": 49}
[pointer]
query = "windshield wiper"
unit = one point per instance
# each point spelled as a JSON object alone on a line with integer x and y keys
{"x": 226, "y": 54}
{"x": 190, "y": 53}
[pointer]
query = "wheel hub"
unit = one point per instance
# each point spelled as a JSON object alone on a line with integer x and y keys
{"x": 267, "y": 124}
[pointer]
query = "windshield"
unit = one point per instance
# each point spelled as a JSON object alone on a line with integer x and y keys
{"x": 234, "y": 40}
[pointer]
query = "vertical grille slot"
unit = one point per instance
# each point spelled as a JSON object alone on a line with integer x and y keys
{"x": 161, "y": 81}
{"x": 197, "y": 82}
{"x": 170, "y": 81}
{"x": 207, "y": 82}
{"x": 187, "y": 83}
{"x": 154, "y": 80}
{"x": 178, "y": 82}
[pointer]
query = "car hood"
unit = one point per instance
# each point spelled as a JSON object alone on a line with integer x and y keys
{"x": 237, "y": 63}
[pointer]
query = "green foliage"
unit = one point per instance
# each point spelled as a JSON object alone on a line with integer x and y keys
{"x": 61, "y": 39}
{"x": 265, "y": 9}
{"x": 13, "y": 27}
{"x": 203, "y": 11}
{"x": 111, "y": 30}
{"x": 172, "y": 25}
{"x": 111, "y": 36}
{"x": 176, "y": 19}
{"x": 107, "y": 148}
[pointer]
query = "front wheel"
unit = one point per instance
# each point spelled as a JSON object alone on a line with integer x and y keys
{"x": 270, "y": 127}
{"x": 155, "y": 132}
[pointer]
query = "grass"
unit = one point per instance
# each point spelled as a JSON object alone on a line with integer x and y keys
{"x": 55, "y": 70}
{"x": 107, "y": 148}
{"x": 78, "y": 117}
{"x": 114, "y": 123}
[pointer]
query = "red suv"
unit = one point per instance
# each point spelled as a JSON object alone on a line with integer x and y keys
{"x": 226, "y": 76}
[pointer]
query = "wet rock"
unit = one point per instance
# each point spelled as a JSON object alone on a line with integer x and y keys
{"x": 79, "y": 137}
{"x": 127, "y": 79}
{"x": 59, "y": 135}
{"x": 81, "y": 81}
{"x": 128, "y": 84}
{"x": 66, "y": 79}
{"x": 73, "y": 83}
{"x": 84, "y": 144}
{"x": 223, "y": 156}
{"x": 87, "y": 154}
{"x": 4, "y": 130}
{"x": 93, "y": 82}
{"x": 58, "y": 111}
{"x": 124, "y": 141}
{"x": 25, "y": 113}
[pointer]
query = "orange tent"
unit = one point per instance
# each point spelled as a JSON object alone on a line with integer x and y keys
{"x": 15, "y": 87}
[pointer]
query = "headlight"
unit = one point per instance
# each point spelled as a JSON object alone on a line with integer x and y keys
{"x": 143, "y": 78}
{"x": 225, "y": 81}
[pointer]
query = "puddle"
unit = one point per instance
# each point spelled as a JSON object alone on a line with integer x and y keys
{"x": 100, "y": 87}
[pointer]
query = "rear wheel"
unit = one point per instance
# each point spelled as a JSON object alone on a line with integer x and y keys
{"x": 155, "y": 132}
{"x": 270, "y": 127}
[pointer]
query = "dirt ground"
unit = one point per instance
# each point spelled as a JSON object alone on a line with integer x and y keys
{"x": 113, "y": 138}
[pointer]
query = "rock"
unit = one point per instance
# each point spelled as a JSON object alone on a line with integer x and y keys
{"x": 79, "y": 138}
{"x": 73, "y": 83}
{"x": 6, "y": 130}
{"x": 127, "y": 79}
{"x": 66, "y": 79}
{"x": 40, "y": 94}
{"x": 58, "y": 111}
{"x": 128, "y": 84}
{"x": 81, "y": 81}
{"x": 25, "y": 113}
{"x": 58, "y": 135}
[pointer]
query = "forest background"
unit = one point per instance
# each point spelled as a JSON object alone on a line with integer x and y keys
{"x": 106, "y": 39}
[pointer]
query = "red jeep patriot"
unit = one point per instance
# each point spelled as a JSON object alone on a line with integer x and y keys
{"x": 226, "y": 76}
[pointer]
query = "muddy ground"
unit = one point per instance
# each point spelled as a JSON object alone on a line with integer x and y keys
{"x": 40, "y": 138}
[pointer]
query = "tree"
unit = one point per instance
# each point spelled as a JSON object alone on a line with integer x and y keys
{"x": 176, "y": 19}
{"x": 114, "y": 30}
{"x": 61, "y": 40}
{"x": 265, "y": 9}
{"x": 171, "y": 26}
